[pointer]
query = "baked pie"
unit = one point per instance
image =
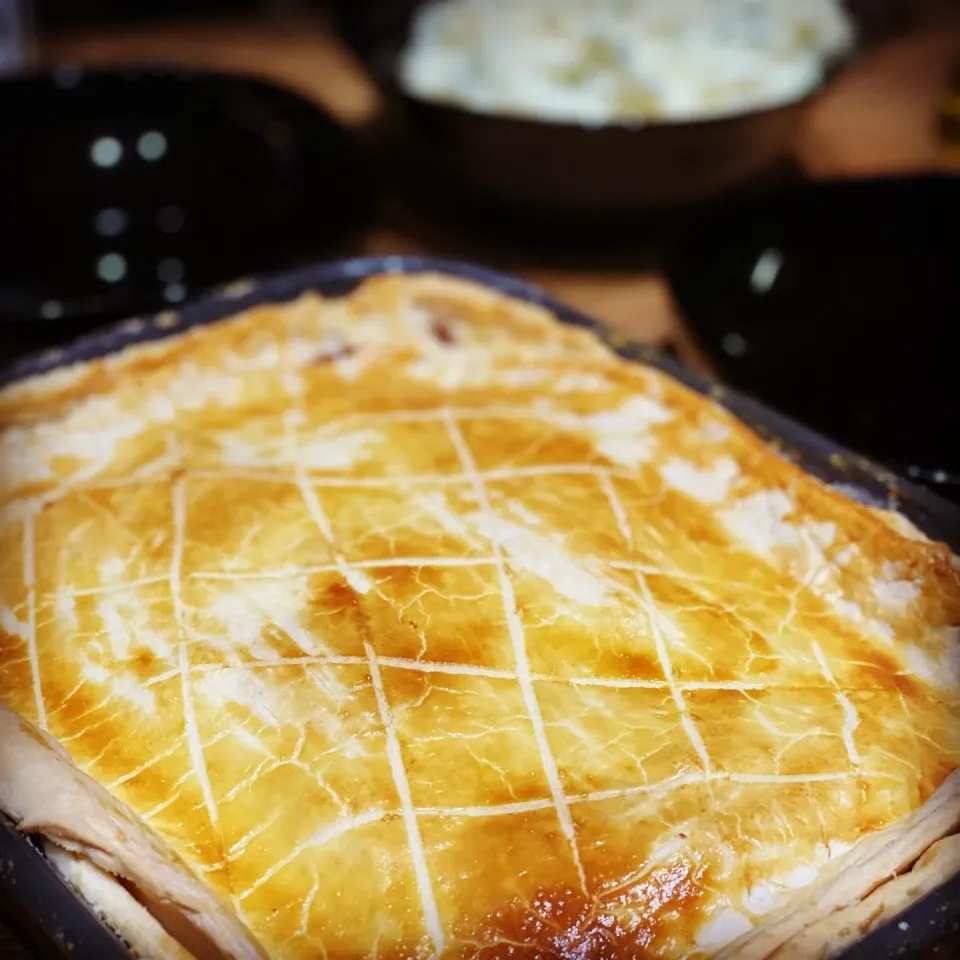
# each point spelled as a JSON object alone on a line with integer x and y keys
{"x": 418, "y": 624}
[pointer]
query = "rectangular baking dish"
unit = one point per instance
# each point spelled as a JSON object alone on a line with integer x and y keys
{"x": 34, "y": 894}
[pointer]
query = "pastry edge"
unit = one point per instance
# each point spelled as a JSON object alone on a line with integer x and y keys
{"x": 869, "y": 885}
{"x": 834, "y": 934}
{"x": 44, "y": 793}
{"x": 80, "y": 377}
{"x": 119, "y": 910}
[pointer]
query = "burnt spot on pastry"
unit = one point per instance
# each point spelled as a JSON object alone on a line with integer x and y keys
{"x": 442, "y": 332}
{"x": 333, "y": 352}
{"x": 443, "y": 320}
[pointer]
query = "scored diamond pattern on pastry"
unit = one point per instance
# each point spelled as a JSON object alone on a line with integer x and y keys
{"x": 495, "y": 648}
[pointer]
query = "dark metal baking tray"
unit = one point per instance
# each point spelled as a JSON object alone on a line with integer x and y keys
{"x": 44, "y": 909}
{"x": 29, "y": 883}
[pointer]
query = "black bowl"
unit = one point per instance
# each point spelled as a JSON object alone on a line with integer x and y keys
{"x": 565, "y": 169}
{"x": 839, "y": 305}
{"x": 124, "y": 192}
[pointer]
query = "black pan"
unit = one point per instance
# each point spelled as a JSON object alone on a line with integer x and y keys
{"x": 27, "y": 882}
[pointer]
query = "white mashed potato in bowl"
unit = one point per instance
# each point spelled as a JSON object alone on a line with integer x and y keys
{"x": 599, "y": 62}
{"x": 578, "y": 113}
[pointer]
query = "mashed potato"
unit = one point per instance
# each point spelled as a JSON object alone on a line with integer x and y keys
{"x": 601, "y": 61}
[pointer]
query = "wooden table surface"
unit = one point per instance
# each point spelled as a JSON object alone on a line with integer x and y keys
{"x": 881, "y": 118}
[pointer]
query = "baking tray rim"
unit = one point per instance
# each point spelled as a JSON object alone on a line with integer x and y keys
{"x": 856, "y": 475}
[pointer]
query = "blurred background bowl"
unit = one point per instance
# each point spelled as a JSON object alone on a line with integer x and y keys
{"x": 458, "y": 157}
{"x": 127, "y": 191}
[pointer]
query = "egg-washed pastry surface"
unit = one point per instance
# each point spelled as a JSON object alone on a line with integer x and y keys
{"x": 416, "y": 624}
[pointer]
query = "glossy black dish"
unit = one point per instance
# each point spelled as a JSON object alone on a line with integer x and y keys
{"x": 455, "y": 157}
{"x": 838, "y": 304}
{"x": 124, "y": 192}
{"x": 57, "y": 910}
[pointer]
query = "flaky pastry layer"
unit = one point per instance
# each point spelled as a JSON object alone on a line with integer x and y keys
{"x": 416, "y": 623}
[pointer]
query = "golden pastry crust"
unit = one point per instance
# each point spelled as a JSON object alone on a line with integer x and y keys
{"x": 416, "y": 623}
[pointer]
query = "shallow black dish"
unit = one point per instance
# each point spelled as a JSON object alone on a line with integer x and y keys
{"x": 122, "y": 192}
{"x": 456, "y": 157}
{"x": 838, "y": 304}
{"x": 27, "y": 880}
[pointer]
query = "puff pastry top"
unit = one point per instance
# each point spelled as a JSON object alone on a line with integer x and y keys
{"x": 416, "y": 624}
